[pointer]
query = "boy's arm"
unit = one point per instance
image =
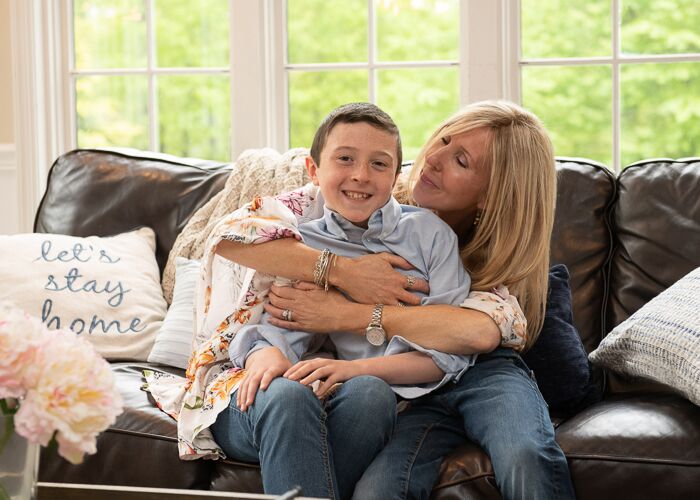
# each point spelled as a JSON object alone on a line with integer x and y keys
{"x": 408, "y": 368}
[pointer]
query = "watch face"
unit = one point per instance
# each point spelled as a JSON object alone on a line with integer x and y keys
{"x": 375, "y": 335}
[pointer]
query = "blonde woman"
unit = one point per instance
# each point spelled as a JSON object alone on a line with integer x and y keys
{"x": 488, "y": 172}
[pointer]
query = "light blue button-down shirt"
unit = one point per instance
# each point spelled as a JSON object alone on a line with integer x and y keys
{"x": 415, "y": 234}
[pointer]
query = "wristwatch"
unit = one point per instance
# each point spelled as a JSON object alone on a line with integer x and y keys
{"x": 375, "y": 333}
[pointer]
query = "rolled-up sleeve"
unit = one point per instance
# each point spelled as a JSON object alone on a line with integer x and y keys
{"x": 252, "y": 338}
{"x": 505, "y": 311}
{"x": 452, "y": 365}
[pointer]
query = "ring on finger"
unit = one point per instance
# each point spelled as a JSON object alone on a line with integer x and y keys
{"x": 287, "y": 315}
{"x": 410, "y": 281}
{"x": 401, "y": 304}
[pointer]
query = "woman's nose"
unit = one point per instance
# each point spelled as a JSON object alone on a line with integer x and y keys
{"x": 433, "y": 159}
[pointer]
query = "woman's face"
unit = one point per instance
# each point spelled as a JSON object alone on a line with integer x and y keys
{"x": 454, "y": 178}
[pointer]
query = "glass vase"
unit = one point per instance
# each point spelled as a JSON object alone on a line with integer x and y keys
{"x": 19, "y": 461}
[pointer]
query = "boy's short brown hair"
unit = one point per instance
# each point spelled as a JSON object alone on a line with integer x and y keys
{"x": 355, "y": 112}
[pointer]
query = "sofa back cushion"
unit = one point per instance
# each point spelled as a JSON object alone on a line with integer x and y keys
{"x": 582, "y": 240}
{"x": 657, "y": 228}
{"x": 106, "y": 192}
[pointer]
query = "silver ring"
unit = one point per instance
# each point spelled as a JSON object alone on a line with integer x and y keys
{"x": 410, "y": 281}
{"x": 401, "y": 304}
{"x": 287, "y": 315}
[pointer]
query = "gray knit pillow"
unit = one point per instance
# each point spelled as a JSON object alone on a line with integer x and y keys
{"x": 661, "y": 341}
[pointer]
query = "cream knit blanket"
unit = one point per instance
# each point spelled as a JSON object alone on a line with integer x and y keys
{"x": 263, "y": 172}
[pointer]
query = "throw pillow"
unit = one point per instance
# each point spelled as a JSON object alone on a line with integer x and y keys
{"x": 105, "y": 289}
{"x": 558, "y": 357}
{"x": 174, "y": 340}
{"x": 661, "y": 341}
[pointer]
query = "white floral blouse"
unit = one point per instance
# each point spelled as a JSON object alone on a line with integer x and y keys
{"x": 230, "y": 295}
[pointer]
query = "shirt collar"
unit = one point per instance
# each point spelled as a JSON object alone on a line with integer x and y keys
{"x": 381, "y": 223}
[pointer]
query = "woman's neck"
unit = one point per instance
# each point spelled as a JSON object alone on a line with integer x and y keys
{"x": 461, "y": 225}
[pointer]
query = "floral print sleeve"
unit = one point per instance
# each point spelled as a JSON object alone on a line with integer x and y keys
{"x": 228, "y": 296}
{"x": 505, "y": 311}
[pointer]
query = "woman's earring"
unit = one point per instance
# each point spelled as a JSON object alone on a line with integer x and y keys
{"x": 477, "y": 217}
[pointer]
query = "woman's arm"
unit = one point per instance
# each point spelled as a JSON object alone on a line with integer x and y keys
{"x": 370, "y": 279}
{"x": 444, "y": 328}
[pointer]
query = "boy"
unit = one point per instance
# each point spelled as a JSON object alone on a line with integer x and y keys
{"x": 355, "y": 160}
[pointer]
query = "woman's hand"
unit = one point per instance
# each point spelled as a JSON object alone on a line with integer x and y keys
{"x": 312, "y": 309}
{"x": 262, "y": 367}
{"x": 372, "y": 279}
{"x": 327, "y": 371}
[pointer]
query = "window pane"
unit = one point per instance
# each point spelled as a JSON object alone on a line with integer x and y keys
{"x": 326, "y": 31}
{"x": 398, "y": 38}
{"x": 202, "y": 127}
{"x": 313, "y": 94}
{"x": 660, "y": 111}
{"x": 191, "y": 34}
{"x": 653, "y": 27}
{"x": 112, "y": 111}
{"x": 434, "y": 95}
{"x": 109, "y": 34}
{"x": 575, "y": 104}
{"x": 561, "y": 28}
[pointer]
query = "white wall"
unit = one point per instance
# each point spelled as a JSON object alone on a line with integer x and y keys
{"x": 9, "y": 208}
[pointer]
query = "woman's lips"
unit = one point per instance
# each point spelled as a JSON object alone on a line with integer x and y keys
{"x": 425, "y": 180}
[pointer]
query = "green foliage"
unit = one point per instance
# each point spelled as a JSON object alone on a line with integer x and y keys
{"x": 112, "y": 111}
{"x": 191, "y": 34}
{"x": 313, "y": 94}
{"x": 109, "y": 34}
{"x": 660, "y": 26}
{"x": 417, "y": 31}
{"x": 326, "y": 31}
{"x": 575, "y": 104}
{"x": 565, "y": 28}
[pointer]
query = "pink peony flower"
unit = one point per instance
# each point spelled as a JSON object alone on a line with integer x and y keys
{"x": 65, "y": 388}
{"x": 21, "y": 338}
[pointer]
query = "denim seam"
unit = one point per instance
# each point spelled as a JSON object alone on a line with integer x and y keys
{"x": 411, "y": 458}
{"x": 326, "y": 456}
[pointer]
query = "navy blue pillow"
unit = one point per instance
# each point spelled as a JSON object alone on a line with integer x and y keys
{"x": 558, "y": 358}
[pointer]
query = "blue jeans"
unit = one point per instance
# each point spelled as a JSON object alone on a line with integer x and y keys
{"x": 497, "y": 405}
{"x": 322, "y": 446}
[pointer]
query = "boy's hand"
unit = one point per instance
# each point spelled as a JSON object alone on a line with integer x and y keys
{"x": 326, "y": 371}
{"x": 262, "y": 367}
{"x": 372, "y": 279}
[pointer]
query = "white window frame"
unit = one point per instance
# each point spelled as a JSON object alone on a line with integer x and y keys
{"x": 615, "y": 61}
{"x": 43, "y": 88}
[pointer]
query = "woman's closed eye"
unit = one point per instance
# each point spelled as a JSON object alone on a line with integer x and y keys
{"x": 462, "y": 160}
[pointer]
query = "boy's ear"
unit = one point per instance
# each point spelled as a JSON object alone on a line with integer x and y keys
{"x": 311, "y": 168}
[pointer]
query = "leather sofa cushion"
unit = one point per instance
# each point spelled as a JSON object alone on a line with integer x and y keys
{"x": 107, "y": 192}
{"x": 657, "y": 221}
{"x": 582, "y": 240}
{"x": 617, "y": 447}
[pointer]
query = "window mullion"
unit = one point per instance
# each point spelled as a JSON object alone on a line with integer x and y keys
{"x": 153, "y": 133}
{"x": 371, "y": 52}
{"x": 615, "y": 33}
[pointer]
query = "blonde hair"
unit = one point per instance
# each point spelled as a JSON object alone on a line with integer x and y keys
{"x": 510, "y": 245}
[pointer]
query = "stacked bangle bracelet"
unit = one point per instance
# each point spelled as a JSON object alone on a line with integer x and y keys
{"x": 323, "y": 267}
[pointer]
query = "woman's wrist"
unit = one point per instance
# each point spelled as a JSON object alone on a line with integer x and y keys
{"x": 337, "y": 275}
{"x": 354, "y": 318}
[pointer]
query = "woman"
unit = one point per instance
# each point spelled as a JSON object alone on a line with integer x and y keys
{"x": 489, "y": 173}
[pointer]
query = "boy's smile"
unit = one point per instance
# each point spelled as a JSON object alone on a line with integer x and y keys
{"x": 358, "y": 170}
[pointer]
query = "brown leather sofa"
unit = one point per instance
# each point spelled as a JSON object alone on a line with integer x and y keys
{"x": 623, "y": 239}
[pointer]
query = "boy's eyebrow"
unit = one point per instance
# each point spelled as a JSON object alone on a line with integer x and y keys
{"x": 351, "y": 148}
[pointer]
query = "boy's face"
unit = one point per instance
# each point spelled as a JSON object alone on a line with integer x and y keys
{"x": 358, "y": 170}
